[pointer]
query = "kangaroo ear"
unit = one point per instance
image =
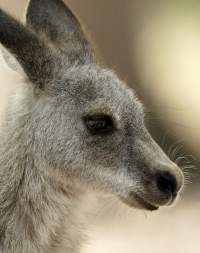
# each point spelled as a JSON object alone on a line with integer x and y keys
{"x": 58, "y": 23}
{"x": 11, "y": 61}
{"x": 34, "y": 56}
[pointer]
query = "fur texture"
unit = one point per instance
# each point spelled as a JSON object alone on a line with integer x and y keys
{"x": 50, "y": 162}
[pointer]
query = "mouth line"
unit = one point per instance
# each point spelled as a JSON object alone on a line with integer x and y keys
{"x": 173, "y": 199}
{"x": 144, "y": 203}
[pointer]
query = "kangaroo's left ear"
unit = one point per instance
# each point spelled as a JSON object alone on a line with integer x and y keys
{"x": 54, "y": 19}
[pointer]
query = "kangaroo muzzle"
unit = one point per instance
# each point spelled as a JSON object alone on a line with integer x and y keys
{"x": 160, "y": 179}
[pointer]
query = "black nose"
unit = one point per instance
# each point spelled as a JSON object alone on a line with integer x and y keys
{"x": 166, "y": 182}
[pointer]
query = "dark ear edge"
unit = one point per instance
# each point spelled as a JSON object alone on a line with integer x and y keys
{"x": 57, "y": 21}
{"x": 33, "y": 54}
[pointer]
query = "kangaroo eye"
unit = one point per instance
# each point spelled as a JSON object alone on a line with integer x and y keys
{"x": 98, "y": 124}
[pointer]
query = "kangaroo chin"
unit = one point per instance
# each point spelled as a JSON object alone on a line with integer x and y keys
{"x": 72, "y": 129}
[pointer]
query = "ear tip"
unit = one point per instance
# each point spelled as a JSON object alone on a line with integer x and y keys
{"x": 32, "y": 4}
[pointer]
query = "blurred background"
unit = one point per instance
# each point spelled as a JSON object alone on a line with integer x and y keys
{"x": 155, "y": 47}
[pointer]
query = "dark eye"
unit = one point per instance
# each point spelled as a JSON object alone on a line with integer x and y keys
{"x": 98, "y": 124}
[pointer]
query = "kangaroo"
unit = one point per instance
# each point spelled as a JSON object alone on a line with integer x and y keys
{"x": 72, "y": 129}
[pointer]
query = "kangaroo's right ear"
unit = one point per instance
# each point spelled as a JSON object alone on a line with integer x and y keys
{"x": 35, "y": 57}
{"x": 54, "y": 19}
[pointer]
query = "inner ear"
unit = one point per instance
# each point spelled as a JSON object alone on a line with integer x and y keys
{"x": 54, "y": 19}
{"x": 11, "y": 61}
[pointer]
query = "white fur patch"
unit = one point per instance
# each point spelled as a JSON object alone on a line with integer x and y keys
{"x": 10, "y": 61}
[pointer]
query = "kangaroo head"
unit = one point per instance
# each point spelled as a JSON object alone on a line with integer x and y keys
{"x": 85, "y": 123}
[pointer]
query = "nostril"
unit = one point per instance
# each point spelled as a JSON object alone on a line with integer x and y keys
{"x": 166, "y": 182}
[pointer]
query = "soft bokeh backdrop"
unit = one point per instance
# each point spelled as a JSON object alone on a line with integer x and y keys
{"x": 155, "y": 47}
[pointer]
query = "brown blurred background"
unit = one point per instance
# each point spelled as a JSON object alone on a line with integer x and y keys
{"x": 155, "y": 47}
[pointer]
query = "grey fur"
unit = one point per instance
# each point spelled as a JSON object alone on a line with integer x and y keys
{"x": 50, "y": 163}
